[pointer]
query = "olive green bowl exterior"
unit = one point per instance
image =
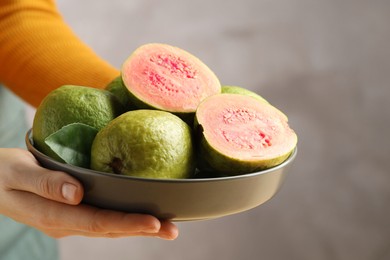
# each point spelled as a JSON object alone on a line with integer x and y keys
{"x": 174, "y": 199}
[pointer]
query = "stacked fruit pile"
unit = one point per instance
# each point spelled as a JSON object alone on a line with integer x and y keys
{"x": 165, "y": 116}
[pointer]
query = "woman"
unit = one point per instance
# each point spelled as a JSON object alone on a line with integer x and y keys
{"x": 38, "y": 53}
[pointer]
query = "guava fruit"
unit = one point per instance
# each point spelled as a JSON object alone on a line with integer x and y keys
{"x": 242, "y": 91}
{"x": 145, "y": 143}
{"x": 236, "y": 134}
{"x": 164, "y": 77}
{"x": 118, "y": 89}
{"x": 72, "y": 104}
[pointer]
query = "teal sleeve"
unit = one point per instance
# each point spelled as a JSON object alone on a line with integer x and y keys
{"x": 18, "y": 241}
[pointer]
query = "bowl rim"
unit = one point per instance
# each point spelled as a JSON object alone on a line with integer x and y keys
{"x": 29, "y": 143}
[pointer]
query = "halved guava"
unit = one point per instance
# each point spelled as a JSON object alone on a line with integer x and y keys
{"x": 165, "y": 77}
{"x": 237, "y": 135}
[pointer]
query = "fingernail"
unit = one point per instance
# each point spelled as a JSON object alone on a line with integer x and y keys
{"x": 69, "y": 191}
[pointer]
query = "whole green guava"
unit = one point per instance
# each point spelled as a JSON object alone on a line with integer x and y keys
{"x": 145, "y": 143}
{"x": 72, "y": 104}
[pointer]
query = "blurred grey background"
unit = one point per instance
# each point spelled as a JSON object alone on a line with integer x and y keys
{"x": 326, "y": 64}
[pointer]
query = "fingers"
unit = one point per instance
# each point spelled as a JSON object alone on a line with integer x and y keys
{"x": 59, "y": 220}
{"x": 29, "y": 176}
{"x": 106, "y": 223}
{"x": 99, "y": 221}
{"x": 168, "y": 231}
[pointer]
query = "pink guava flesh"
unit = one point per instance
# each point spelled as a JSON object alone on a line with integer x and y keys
{"x": 240, "y": 127}
{"x": 168, "y": 78}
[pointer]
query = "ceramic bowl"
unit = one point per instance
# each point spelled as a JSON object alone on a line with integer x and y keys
{"x": 175, "y": 199}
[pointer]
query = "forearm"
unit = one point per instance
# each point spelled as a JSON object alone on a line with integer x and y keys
{"x": 39, "y": 52}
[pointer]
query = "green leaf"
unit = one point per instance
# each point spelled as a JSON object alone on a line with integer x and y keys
{"x": 72, "y": 143}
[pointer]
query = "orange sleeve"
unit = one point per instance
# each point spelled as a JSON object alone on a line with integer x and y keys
{"x": 39, "y": 52}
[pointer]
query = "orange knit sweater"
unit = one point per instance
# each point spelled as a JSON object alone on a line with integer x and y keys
{"x": 39, "y": 52}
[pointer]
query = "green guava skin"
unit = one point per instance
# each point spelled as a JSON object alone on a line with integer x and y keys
{"x": 118, "y": 89}
{"x": 213, "y": 161}
{"x": 242, "y": 91}
{"x": 145, "y": 143}
{"x": 218, "y": 161}
{"x": 72, "y": 104}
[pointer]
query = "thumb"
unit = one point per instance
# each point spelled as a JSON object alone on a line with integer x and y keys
{"x": 53, "y": 185}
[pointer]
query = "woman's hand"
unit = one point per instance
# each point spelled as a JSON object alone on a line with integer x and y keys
{"x": 50, "y": 202}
